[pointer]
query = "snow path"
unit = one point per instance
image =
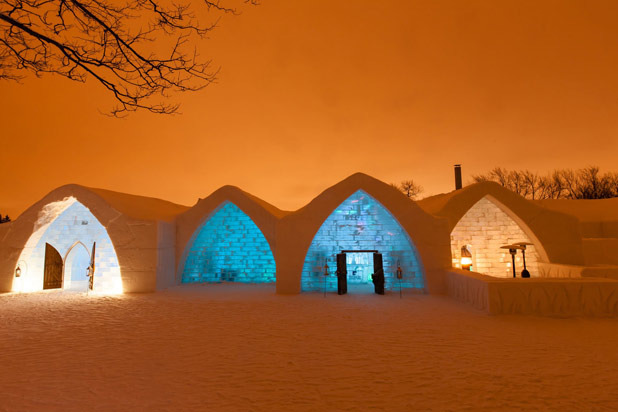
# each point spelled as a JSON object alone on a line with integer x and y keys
{"x": 243, "y": 348}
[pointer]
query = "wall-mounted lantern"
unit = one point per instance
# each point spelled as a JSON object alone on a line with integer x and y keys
{"x": 466, "y": 258}
{"x": 399, "y": 275}
{"x": 325, "y": 275}
{"x": 17, "y": 271}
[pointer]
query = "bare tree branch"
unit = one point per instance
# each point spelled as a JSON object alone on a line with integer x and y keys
{"x": 139, "y": 50}
{"x": 409, "y": 188}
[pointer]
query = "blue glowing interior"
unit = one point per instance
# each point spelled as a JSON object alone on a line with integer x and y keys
{"x": 229, "y": 247}
{"x": 361, "y": 223}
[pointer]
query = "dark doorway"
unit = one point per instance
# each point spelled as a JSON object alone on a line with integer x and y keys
{"x": 342, "y": 274}
{"x": 377, "y": 277}
{"x": 378, "y": 273}
{"x": 52, "y": 278}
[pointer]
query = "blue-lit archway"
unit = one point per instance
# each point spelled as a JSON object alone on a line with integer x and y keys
{"x": 229, "y": 247}
{"x": 361, "y": 223}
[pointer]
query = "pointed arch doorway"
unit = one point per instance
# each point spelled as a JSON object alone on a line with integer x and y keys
{"x": 62, "y": 229}
{"x": 361, "y": 223}
{"x": 76, "y": 267}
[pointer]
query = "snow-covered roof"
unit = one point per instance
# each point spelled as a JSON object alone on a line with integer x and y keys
{"x": 140, "y": 207}
{"x": 586, "y": 210}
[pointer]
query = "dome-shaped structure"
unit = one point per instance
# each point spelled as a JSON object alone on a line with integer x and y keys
{"x": 51, "y": 241}
{"x": 298, "y": 246}
{"x": 362, "y": 223}
{"x": 227, "y": 236}
{"x": 485, "y": 216}
{"x": 229, "y": 247}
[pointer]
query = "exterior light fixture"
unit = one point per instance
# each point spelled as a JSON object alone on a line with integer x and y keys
{"x": 399, "y": 276}
{"x": 466, "y": 258}
{"x": 17, "y": 271}
{"x": 325, "y": 275}
{"x": 522, "y": 245}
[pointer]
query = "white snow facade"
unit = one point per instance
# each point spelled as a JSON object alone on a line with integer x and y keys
{"x": 142, "y": 244}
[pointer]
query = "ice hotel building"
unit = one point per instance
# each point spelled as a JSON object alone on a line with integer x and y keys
{"x": 139, "y": 244}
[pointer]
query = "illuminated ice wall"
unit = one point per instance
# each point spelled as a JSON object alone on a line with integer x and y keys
{"x": 229, "y": 247}
{"x": 63, "y": 225}
{"x": 361, "y": 223}
{"x": 485, "y": 228}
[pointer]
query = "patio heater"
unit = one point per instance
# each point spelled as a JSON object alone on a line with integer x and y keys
{"x": 513, "y": 251}
{"x": 522, "y": 245}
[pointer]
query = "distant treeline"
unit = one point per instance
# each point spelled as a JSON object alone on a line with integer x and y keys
{"x": 4, "y": 219}
{"x": 585, "y": 183}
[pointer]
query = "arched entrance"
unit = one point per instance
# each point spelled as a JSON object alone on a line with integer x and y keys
{"x": 76, "y": 265}
{"x": 362, "y": 226}
{"x": 484, "y": 228}
{"x": 229, "y": 247}
{"x": 64, "y": 225}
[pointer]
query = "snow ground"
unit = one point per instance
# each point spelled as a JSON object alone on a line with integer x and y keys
{"x": 243, "y": 348}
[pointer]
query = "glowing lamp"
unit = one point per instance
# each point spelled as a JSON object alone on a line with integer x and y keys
{"x": 17, "y": 271}
{"x": 466, "y": 258}
{"x": 325, "y": 274}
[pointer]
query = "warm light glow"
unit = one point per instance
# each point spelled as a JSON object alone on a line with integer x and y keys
{"x": 466, "y": 261}
{"x": 113, "y": 287}
{"x": 481, "y": 231}
{"x": 62, "y": 224}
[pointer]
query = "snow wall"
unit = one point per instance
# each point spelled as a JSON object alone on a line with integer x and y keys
{"x": 538, "y": 296}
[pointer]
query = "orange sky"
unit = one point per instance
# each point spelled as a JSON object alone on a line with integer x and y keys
{"x": 312, "y": 91}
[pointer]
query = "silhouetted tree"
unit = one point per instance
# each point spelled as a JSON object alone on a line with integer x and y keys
{"x": 409, "y": 188}
{"x": 585, "y": 183}
{"x": 4, "y": 219}
{"x": 139, "y": 50}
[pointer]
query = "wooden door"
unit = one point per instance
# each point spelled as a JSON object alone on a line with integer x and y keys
{"x": 52, "y": 278}
{"x": 91, "y": 267}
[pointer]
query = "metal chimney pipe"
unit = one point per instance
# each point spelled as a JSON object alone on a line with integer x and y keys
{"x": 458, "y": 177}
